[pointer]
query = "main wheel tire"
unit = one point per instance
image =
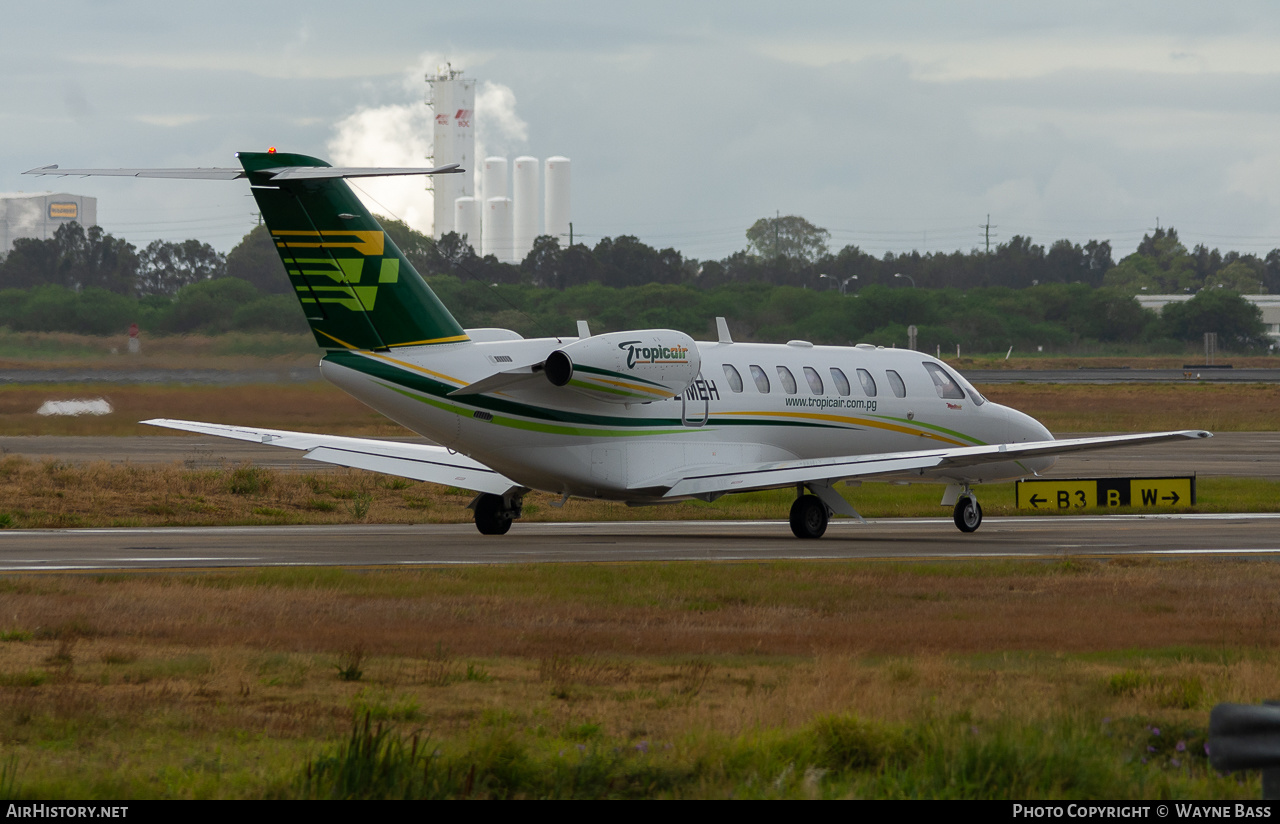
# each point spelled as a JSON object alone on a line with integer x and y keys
{"x": 491, "y": 516}
{"x": 808, "y": 517}
{"x": 968, "y": 514}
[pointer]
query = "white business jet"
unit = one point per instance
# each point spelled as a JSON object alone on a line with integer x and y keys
{"x": 646, "y": 417}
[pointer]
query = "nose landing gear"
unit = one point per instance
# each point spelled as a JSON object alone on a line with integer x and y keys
{"x": 968, "y": 513}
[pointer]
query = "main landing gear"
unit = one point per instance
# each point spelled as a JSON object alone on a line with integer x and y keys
{"x": 494, "y": 513}
{"x": 809, "y": 516}
{"x": 968, "y": 513}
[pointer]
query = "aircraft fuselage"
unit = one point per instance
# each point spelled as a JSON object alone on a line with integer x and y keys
{"x": 752, "y": 403}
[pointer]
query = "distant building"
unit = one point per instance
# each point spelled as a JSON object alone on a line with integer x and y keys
{"x": 1269, "y": 304}
{"x": 39, "y": 215}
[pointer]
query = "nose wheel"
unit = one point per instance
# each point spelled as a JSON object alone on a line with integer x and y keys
{"x": 968, "y": 514}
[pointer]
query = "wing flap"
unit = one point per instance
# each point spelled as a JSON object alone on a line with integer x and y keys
{"x": 829, "y": 470}
{"x": 407, "y": 460}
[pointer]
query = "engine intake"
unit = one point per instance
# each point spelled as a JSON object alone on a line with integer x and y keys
{"x": 627, "y": 367}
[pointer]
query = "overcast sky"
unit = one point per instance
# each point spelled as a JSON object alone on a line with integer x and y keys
{"x": 896, "y": 126}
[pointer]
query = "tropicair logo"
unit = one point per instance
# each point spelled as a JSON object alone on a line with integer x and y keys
{"x": 653, "y": 354}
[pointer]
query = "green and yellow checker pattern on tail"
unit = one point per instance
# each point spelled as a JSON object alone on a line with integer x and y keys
{"x": 355, "y": 286}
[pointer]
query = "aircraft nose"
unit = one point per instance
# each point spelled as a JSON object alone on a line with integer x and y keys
{"x": 1023, "y": 428}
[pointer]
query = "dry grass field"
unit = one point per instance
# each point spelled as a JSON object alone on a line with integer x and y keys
{"x": 809, "y": 679}
{"x": 57, "y": 495}
{"x": 1145, "y": 407}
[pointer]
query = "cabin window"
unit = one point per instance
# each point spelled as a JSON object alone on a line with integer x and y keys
{"x": 944, "y": 383}
{"x": 814, "y": 379}
{"x": 761, "y": 379}
{"x": 868, "y": 383}
{"x": 842, "y": 382}
{"x": 788, "y": 380}
{"x": 895, "y": 383}
{"x": 735, "y": 380}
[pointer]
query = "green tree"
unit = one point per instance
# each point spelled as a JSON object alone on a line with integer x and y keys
{"x": 1236, "y": 276}
{"x": 209, "y": 306}
{"x": 787, "y": 237}
{"x": 165, "y": 267}
{"x": 1237, "y": 321}
{"x": 256, "y": 261}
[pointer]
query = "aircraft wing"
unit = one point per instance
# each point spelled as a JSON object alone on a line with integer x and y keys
{"x": 718, "y": 480}
{"x": 407, "y": 460}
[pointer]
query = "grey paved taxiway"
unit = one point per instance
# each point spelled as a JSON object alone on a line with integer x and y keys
{"x": 1253, "y": 536}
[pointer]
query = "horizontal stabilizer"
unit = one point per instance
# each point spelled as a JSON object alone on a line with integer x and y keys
{"x": 407, "y": 460}
{"x": 277, "y": 173}
{"x": 329, "y": 172}
{"x": 182, "y": 174}
{"x": 719, "y": 480}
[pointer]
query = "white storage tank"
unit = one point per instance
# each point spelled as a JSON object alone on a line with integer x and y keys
{"x": 497, "y": 228}
{"x": 493, "y": 180}
{"x": 466, "y": 220}
{"x": 556, "y": 214}
{"x": 453, "y": 102}
{"x": 524, "y": 203}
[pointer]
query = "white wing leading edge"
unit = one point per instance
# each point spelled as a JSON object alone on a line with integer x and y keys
{"x": 407, "y": 460}
{"x": 720, "y": 480}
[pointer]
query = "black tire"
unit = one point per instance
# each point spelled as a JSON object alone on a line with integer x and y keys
{"x": 808, "y": 517}
{"x": 968, "y": 514}
{"x": 490, "y": 518}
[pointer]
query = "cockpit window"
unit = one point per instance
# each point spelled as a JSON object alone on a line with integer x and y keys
{"x": 761, "y": 379}
{"x": 944, "y": 383}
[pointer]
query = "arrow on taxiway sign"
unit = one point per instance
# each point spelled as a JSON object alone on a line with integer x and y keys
{"x": 1172, "y": 498}
{"x": 1036, "y": 500}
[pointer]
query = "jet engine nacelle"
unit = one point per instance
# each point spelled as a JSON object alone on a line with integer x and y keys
{"x": 627, "y": 367}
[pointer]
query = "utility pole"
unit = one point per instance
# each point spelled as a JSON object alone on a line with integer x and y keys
{"x": 986, "y": 232}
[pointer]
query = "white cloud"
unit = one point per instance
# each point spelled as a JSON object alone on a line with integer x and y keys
{"x": 395, "y": 135}
{"x": 1030, "y": 56}
{"x": 171, "y": 120}
{"x": 400, "y": 134}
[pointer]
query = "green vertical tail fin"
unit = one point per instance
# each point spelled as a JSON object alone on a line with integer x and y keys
{"x": 356, "y": 288}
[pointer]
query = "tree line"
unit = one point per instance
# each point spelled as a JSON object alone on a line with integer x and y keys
{"x": 785, "y": 284}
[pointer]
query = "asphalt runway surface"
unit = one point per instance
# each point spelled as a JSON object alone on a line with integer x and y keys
{"x": 1047, "y": 537}
{"x": 1243, "y": 454}
{"x": 1240, "y": 454}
